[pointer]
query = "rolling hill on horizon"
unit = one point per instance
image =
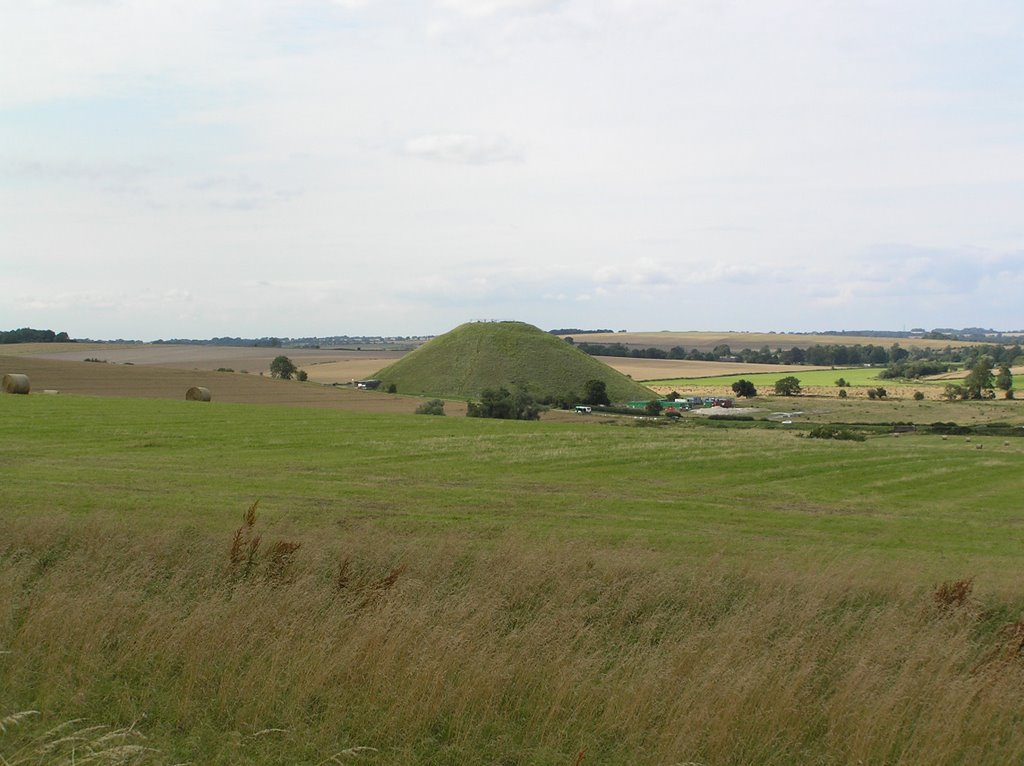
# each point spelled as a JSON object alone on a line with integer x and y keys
{"x": 480, "y": 355}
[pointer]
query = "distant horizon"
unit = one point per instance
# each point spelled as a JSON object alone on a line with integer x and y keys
{"x": 862, "y": 331}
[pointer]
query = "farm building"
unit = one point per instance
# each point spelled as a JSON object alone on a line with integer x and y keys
{"x": 367, "y": 385}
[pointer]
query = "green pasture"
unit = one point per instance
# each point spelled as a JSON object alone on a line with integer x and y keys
{"x": 684, "y": 488}
{"x": 855, "y": 377}
{"x": 459, "y": 590}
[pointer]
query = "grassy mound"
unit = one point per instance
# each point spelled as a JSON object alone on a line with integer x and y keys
{"x": 480, "y": 355}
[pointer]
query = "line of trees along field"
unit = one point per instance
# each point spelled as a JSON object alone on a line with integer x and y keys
{"x": 29, "y": 335}
{"x": 906, "y": 362}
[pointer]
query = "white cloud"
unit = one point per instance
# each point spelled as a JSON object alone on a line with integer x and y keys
{"x": 463, "y": 148}
{"x": 491, "y": 7}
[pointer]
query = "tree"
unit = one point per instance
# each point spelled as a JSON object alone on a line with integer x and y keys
{"x": 302, "y": 375}
{"x": 952, "y": 392}
{"x": 282, "y": 367}
{"x": 1004, "y": 381}
{"x": 595, "y": 392}
{"x": 980, "y": 379}
{"x": 787, "y": 386}
{"x": 503, "y": 404}
{"x": 842, "y": 383}
{"x": 653, "y": 408}
{"x": 744, "y": 388}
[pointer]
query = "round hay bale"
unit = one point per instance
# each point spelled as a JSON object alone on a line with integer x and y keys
{"x": 198, "y": 394}
{"x": 15, "y": 383}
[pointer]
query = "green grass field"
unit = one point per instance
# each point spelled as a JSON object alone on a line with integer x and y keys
{"x": 473, "y": 591}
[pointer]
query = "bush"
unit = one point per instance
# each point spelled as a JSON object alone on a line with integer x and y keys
{"x": 433, "y": 407}
{"x": 392, "y": 388}
{"x": 918, "y": 396}
{"x": 834, "y": 432}
{"x": 502, "y": 404}
{"x": 842, "y": 393}
{"x": 948, "y": 428}
{"x": 302, "y": 375}
{"x": 842, "y": 383}
{"x": 653, "y": 408}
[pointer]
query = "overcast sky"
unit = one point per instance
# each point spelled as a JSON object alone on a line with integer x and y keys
{"x": 199, "y": 168}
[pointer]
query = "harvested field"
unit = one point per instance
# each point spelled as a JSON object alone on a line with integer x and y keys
{"x": 706, "y": 341}
{"x": 961, "y": 374}
{"x": 354, "y": 364}
{"x": 152, "y": 382}
{"x": 662, "y": 369}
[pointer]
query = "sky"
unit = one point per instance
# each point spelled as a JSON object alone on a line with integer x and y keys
{"x": 293, "y": 168}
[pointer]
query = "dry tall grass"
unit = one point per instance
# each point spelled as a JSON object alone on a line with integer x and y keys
{"x": 496, "y": 650}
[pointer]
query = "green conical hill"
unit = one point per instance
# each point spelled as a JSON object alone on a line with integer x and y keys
{"x": 479, "y": 355}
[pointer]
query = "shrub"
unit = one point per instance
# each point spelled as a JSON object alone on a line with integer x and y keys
{"x": 502, "y": 404}
{"x": 842, "y": 383}
{"x": 433, "y": 407}
{"x": 653, "y": 407}
{"x": 842, "y": 393}
{"x": 918, "y": 396}
{"x": 834, "y": 432}
{"x": 392, "y": 388}
{"x": 302, "y": 375}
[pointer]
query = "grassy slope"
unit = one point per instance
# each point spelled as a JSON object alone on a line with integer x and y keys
{"x": 480, "y": 355}
{"x": 645, "y": 595}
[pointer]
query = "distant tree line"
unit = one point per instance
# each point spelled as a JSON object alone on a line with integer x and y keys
{"x": 576, "y": 331}
{"x": 901, "y": 362}
{"x": 28, "y": 335}
{"x": 311, "y": 342}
